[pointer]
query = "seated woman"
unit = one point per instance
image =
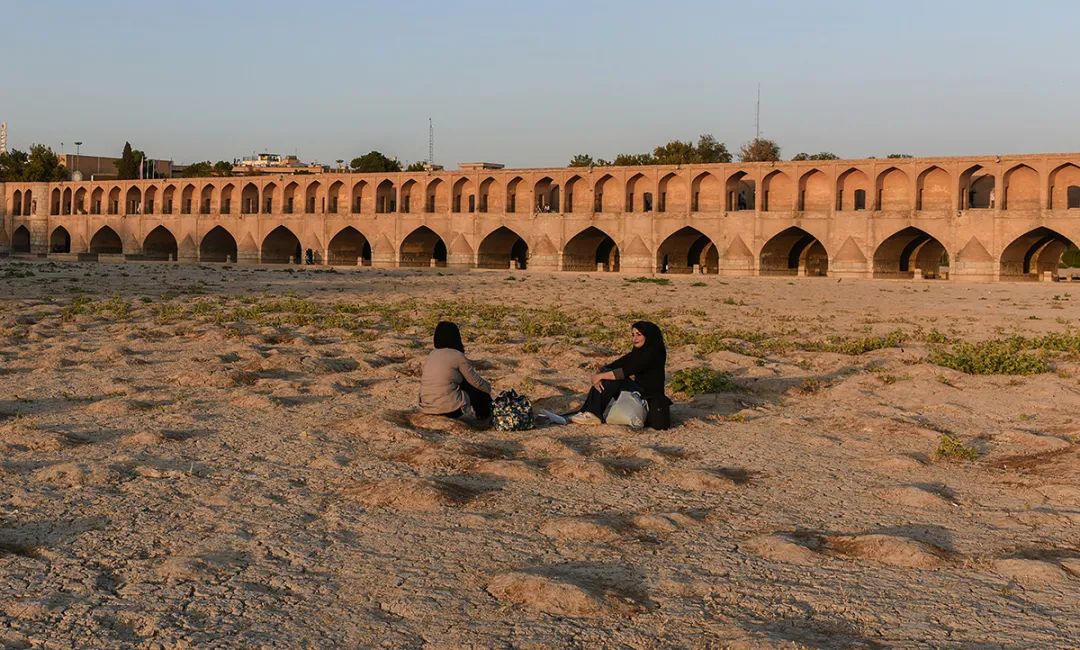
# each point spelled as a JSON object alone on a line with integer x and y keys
{"x": 640, "y": 370}
{"x": 449, "y": 384}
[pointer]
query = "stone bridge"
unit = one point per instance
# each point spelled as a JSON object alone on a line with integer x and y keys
{"x": 978, "y": 218}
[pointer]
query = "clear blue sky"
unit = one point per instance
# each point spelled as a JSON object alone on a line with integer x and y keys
{"x": 531, "y": 84}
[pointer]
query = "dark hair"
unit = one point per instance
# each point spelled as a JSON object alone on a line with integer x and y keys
{"x": 654, "y": 338}
{"x": 447, "y": 335}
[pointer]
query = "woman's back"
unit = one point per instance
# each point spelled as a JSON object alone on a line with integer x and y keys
{"x": 442, "y": 374}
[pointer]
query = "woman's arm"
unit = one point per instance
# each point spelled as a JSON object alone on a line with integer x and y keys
{"x": 602, "y": 376}
{"x": 465, "y": 367}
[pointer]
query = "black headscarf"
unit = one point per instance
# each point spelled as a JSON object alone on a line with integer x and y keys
{"x": 447, "y": 335}
{"x": 654, "y": 338}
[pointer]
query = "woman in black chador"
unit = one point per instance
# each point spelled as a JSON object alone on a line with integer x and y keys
{"x": 641, "y": 370}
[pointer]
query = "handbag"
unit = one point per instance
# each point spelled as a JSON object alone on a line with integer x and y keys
{"x": 511, "y": 412}
{"x": 627, "y": 409}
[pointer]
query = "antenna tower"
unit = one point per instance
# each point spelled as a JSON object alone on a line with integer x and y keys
{"x": 3, "y": 137}
{"x": 430, "y": 142}
{"x": 757, "y": 115}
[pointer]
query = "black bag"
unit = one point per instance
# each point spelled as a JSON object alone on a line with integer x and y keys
{"x": 659, "y": 415}
{"x": 511, "y": 412}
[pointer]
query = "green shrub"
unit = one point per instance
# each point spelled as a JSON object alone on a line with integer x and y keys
{"x": 951, "y": 448}
{"x": 993, "y": 357}
{"x": 661, "y": 281}
{"x": 700, "y": 380}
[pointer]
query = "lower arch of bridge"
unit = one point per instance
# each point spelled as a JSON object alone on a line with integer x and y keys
{"x": 106, "y": 242}
{"x": 793, "y": 252}
{"x": 349, "y": 248}
{"x": 909, "y": 250}
{"x": 160, "y": 244}
{"x": 217, "y": 246}
{"x": 686, "y": 248}
{"x": 591, "y": 250}
{"x": 1033, "y": 253}
{"x": 60, "y": 240}
{"x": 421, "y": 247}
{"x": 20, "y": 240}
{"x": 281, "y": 246}
{"x": 501, "y": 249}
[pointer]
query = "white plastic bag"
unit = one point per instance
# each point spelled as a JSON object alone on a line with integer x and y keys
{"x": 627, "y": 409}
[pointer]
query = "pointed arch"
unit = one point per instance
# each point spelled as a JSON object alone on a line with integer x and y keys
{"x": 933, "y": 190}
{"x": 489, "y": 200}
{"x": 160, "y": 244}
{"x": 502, "y": 248}
{"x": 225, "y": 200}
{"x": 54, "y": 201}
{"x": 312, "y": 198}
{"x": 385, "y": 197}
{"x": 1035, "y": 252}
{"x": 356, "y": 196}
{"x": 908, "y": 252}
{"x": 65, "y": 202}
{"x": 249, "y": 199}
{"x": 20, "y": 240}
{"x": 1064, "y": 190}
{"x": 606, "y": 195}
{"x": 60, "y": 240}
{"x": 422, "y": 247}
{"x": 206, "y": 198}
{"x": 793, "y": 252}
{"x": 685, "y": 249}
{"x": 408, "y": 191}
{"x": 891, "y": 190}
{"x": 1020, "y": 189}
{"x": 463, "y": 195}
{"x": 187, "y": 199}
{"x": 218, "y": 245}
{"x": 97, "y": 197}
{"x": 591, "y": 249}
{"x": 639, "y": 197}
{"x": 17, "y": 203}
{"x": 29, "y": 204}
{"x": 150, "y": 199}
{"x": 575, "y": 199}
{"x": 168, "y": 200}
{"x": 815, "y": 192}
{"x": 349, "y": 247}
{"x": 706, "y": 195}
{"x": 436, "y": 196}
{"x": 334, "y": 204}
{"x": 741, "y": 192}
{"x": 106, "y": 242}
{"x": 80, "y": 201}
{"x": 546, "y": 195}
{"x": 133, "y": 201}
{"x": 976, "y": 189}
{"x": 113, "y": 206}
{"x": 672, "y": 194}
{"x": 776, "y": 192}
{"x": 270, "y": 198}
{"x": 288, "y": 198}
{"x": 513, "y": 191}
{"x": 281, "y": 246}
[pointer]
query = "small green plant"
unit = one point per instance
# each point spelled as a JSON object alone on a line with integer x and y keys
{"x": 993, "y": 357}
{"x": 661, "y": 281}
{"x": 698, "y": 284}
{"x": 951, "y": 448}
{"x": 812, "y": 385}
{"x": 700, "y": 380}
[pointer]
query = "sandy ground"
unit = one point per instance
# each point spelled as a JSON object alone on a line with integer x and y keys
{"x": 179, "y": 473}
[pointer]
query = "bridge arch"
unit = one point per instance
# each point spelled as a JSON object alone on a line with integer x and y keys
{"x": 54, "y": 202}
{"x": 1064, "y": 190}
{"x": 60, "y": 240}
{"x": 546, "y": 195}
{"x": 65, "y": 207}
{"x": 741, "y": 192}
{"x": 574, "y": 199}
{"x": 892, "y": 191}
{"x": 639, "y": 198}
{"x": 106, "y": 242}
{"x": 776, "y": 192}
{"x": 976, "y": 189}
{"x": 934, "y": 189}
{"x": 17, "y": 203}
{"x": 501, "y": 248}
{"x": 435, "y": 196}
{"x": 349, "y": 247}
{"x": 591, "y": 249}
{"x": 288, "y": 197}
{"x": 513, "y": 191}
{"x": 1020, "y": 189}
{"x": 20, "y": 240}
{"x": 606, "y": 195}
{"x": 217, "y": 245}
{"x": 706, "y": 195}
{"x": 356, "y": 197}
{"x": 313, "y": 200}
{"x": 908, "y": 250}
{"x": 1035, "y": 252}
{"x": 113, "y": 206}
{"x": 420, "y": 247}
{"x": 488, "y": 198}
{"x": 815, "y": 192}
{"x": 79, "y": 207}
{"x": 672, "y": 194}
{"x": 793, "y": 251}
{"x": 385, "y": 197}
{"x": 160, "y": 244}
{"x": 281, "y": 245}
{"x": 463, "y": 195}
{"x": 408, "y": 191}
{"x": 686, "y": 248}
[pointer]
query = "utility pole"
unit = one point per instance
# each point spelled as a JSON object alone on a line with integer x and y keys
{"x": 430, "y": 142}
{"x": 757, "y": 115}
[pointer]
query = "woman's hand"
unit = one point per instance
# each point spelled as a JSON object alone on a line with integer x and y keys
{"x": 597, "y": 382}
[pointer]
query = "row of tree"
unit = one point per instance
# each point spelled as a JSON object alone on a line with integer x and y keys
{"x": 39, "y": 165}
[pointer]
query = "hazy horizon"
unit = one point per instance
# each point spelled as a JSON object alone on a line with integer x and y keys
{"x": 531, "y": 88}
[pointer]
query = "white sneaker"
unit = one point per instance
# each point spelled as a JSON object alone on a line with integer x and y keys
{"x": 584, "y": 417}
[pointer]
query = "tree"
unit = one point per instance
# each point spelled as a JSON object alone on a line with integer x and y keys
{"x": 675, "y": 152}
{"x": 42, "y": 166}
{"x": 13, "y": 165}
{"x": 128, "y": 165}
{"x": 824, "y": 155}
{"x": 582, "y": 160}
{"x": 760, "y": 150}
{"x": 199, "y": 170}
{"x": 222, "y": 168}
{"x": 417, "y": 166}
{"x": 899, "y": 155}
{"x": 373, "y": 161}
{"x": 711, "y": 151}
{"x": 633, "y": 159}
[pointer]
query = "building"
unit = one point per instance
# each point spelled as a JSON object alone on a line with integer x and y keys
{"x": 104, "y": 167}
{"x": 960, "y": 218}
{"x": 272, "y": 163}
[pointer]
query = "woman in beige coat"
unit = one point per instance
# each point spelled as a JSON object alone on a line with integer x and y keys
{"x": 449, "y": 384}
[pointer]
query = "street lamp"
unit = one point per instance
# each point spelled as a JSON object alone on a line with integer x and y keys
{"x": 77, "y": 145}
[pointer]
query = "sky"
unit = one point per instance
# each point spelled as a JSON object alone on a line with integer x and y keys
{"x": 530, "y": 84}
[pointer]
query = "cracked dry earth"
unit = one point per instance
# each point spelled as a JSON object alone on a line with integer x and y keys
{"x": 195, "y": 484}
